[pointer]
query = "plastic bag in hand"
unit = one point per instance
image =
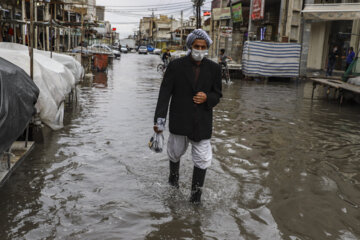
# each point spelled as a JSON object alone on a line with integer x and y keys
{"x": 156, "y": 142}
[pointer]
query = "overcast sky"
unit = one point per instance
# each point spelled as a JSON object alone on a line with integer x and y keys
{"x": 125, "y": 15}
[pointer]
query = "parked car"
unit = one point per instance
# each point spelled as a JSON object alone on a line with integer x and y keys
{"x": 143, "y": 50}
{"x": 104, "y": 49}
{"x": 150, "y": 48}
{"x": 115, "y": 46}
{"x": 157, "y": 51}
{"x": 84, "y": 50}
{"x": 123, "y": 49}
{"x": 115, "y": 52}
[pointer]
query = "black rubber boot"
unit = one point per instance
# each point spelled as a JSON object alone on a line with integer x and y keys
{"x": 174, "y": 174}
{"x": 197, "y": 183}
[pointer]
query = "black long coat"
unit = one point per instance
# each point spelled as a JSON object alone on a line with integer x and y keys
{"x": 185, "y": 117}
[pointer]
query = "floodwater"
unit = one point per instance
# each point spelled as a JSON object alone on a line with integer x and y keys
{"x": 284, "y": 167}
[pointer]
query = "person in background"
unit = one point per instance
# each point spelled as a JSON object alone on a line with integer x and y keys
{"x": 193, "y": 83}
{"x": 166, "y": 57}
{"x": 334, "y": 53}
{"x": 350, "y": 57}
{"x": 223, "y": 57}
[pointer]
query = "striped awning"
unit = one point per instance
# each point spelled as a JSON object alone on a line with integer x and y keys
{"x": 340, "y": 11}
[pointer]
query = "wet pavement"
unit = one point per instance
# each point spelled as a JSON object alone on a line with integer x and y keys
{"x": 284, "y": 167}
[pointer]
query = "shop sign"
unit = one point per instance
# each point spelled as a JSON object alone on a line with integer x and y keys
{"x": 226, "y": 31}
{"x": 207, "y": 13}
{"x": 237, "y": 13}
{"x": 221, "y": 13}
{"x": 258, "y": 7}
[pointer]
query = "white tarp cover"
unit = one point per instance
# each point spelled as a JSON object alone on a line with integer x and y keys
{"x": 271, "y": 59}
{"x": 55, "y": 77}
{"x": 337, "y": 11}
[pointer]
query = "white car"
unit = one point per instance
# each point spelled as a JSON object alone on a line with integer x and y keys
{"x": 157, "y": 51}
{"x": 123, "y": 49}
{"x": 143, "y": 50}
{"x": 105, "y": 48}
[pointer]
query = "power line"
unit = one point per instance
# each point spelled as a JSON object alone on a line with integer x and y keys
{"x": 124, "y": 23}
{"x": 126, "y": 7}
{"x": 145, "y": 9}
{"x": 153, "y": 5}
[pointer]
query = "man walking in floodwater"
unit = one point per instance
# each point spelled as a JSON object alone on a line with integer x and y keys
{"x": 194, "y": 85}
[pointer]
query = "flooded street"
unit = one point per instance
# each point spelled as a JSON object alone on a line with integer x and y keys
{"x": 284, "y": 167}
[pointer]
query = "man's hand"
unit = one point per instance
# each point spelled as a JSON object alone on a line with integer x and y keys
{"x": 200, "y": 98}
{"x": 156, "y": 129}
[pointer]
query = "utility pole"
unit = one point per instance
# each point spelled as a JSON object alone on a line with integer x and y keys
{"x": 250, "y": 20}
{"x": 232, "y": 29}
{"x": 82, "y": 32}
{"x": 36, "y": 33}
{"x": 198, "y": 4}
{"x": 46, "y": 32}
{"x": 23, "y": 16}
{"x": 56, "y": 30}
{"x": 198, "y": 17}
{"x": 152, "y": 24}
{"x": 181, "y": 28}
{"x": 69, "y": 33}
{"x": 51, "y": 27}
{"x": 31, "y": 39}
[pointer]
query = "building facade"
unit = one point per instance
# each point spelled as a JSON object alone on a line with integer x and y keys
{"x": 145, "y": 31}
{"x": 163, "y": 29}
{"x": 328, "y": 24}
{"x": 60, "y": 25}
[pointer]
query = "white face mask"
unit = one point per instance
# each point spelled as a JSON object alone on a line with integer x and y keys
{"x": 198, "y": 55}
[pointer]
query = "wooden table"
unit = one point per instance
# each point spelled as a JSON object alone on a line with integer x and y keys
{"x": 335, "y": 83}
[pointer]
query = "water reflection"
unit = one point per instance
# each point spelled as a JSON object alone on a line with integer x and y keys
{"x": 100, "y": 80}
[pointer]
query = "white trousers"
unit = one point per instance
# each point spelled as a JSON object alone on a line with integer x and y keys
{"x": 201, "y": 152}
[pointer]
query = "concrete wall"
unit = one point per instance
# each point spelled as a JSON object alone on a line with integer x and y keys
{"x": 162, "y": 34}
{"x": 316, "y": 47}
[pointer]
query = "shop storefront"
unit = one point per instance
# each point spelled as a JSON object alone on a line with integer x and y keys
{"x": 331, "y": 25}
{"x": 265, "y": 20}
